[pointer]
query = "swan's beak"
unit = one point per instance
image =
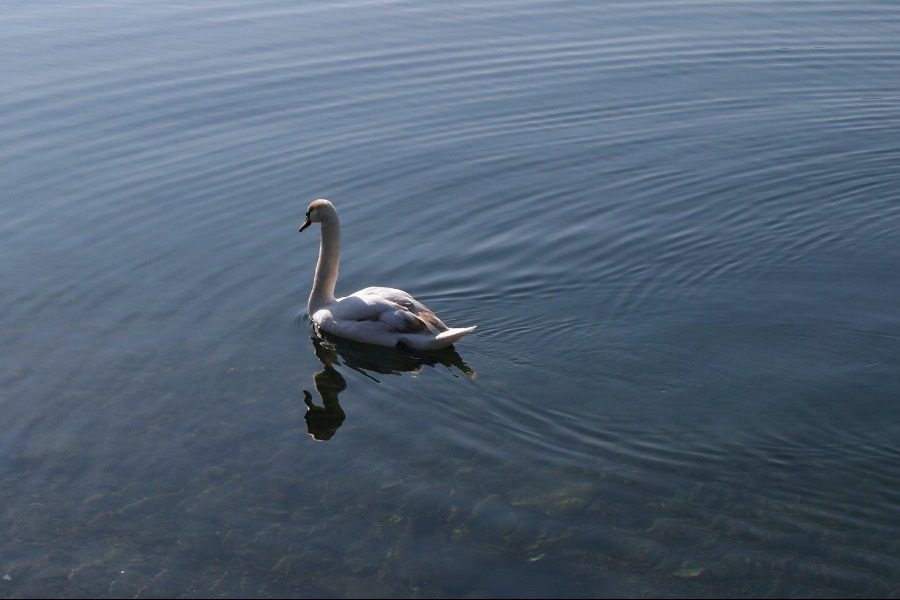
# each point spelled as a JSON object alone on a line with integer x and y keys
{"x": 306, "y": 224}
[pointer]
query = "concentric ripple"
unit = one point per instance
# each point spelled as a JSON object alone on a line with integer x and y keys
{"x": 676, "y": 225}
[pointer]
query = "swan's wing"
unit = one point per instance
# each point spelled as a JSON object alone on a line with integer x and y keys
{"x": 354, "y": 318}
{"x": 408, "y": 309}
{"x": 355, "y": 308}
{"x": 396, "y": 309}
{"x": 386, "y": 317}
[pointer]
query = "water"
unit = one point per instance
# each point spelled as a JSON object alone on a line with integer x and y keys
{"x": 676, "y": 224}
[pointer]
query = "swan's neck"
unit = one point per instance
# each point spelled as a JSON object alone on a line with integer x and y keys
{"x": 327, "y": 268}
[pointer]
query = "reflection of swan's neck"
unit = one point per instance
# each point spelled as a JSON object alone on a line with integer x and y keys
{"x": 327, "y": 268}
{"x": 330, "y": 383}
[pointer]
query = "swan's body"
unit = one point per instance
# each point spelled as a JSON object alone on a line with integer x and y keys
{"x": 374, "y": 315}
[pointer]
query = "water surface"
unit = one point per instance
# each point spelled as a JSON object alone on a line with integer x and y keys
{"x": 676, "y": 224}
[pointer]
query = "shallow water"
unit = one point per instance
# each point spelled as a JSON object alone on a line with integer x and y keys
{"x": 676, "y": 224}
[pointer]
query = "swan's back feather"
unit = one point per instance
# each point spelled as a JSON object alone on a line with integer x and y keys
{"x": 387, "y": 316}
{"x": 400, "y": 310}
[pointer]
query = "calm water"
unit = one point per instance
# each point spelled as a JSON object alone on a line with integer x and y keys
{"x": 676, "y": 223}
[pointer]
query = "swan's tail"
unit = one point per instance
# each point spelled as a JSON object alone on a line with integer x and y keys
{"x": 445, "y": 338}
{"x": 434, "y": 342}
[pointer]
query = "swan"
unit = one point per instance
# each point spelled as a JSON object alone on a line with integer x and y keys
{"x": 374, "y": 315}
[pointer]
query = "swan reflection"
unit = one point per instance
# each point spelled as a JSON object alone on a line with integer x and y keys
{"x": 323, "y": 421}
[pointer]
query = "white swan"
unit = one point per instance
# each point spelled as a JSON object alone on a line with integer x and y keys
{"x": 374, "y": 315}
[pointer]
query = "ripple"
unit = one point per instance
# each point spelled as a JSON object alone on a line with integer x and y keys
{"x": 675, "y": 225}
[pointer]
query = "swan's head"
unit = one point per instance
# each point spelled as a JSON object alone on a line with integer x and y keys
{"x": 318, "y": 211}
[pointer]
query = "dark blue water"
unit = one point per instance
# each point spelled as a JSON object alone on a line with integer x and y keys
{"x": 676, "y": 224}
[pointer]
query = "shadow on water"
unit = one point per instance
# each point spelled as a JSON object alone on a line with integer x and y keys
{"x": 322, "y": 422}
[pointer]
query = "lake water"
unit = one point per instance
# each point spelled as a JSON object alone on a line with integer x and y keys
{"x": 676, "y": 225}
